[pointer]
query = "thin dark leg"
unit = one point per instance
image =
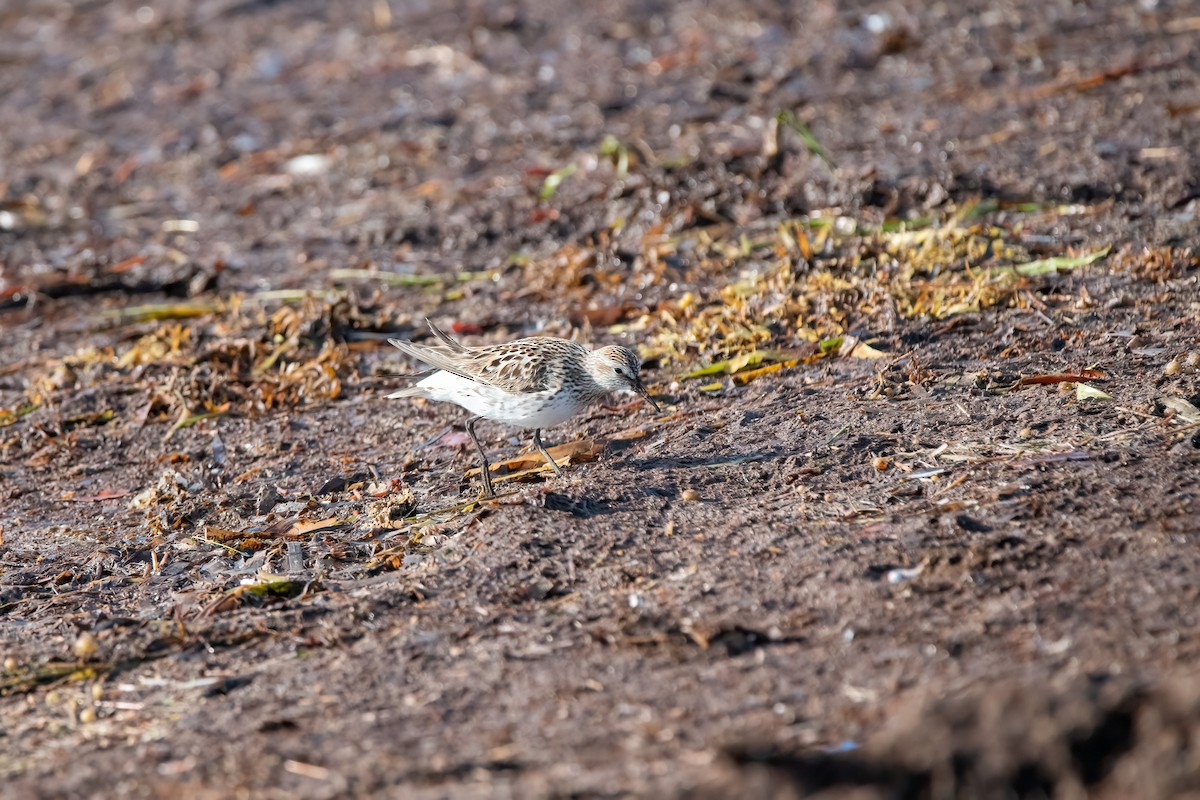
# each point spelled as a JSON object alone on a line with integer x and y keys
{"x": 487, "y": 468}
{"x": 537, "y": 440}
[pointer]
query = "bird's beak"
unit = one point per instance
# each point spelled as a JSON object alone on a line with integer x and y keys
{"x": 640, "y": 389}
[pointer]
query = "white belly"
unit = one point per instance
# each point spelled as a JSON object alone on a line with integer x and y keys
{"x": 532, "y": 410}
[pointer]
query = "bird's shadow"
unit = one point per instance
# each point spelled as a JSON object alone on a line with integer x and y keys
{"x": 713, "y": 461}
{"x": 582, "y": 507}
{"x": 585, "y": 507}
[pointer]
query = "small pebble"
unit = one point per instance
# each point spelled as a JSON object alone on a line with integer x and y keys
{"x": 86, "y": 646}
{"x": 10, "y": 664}
{"x": 87, "y": 716}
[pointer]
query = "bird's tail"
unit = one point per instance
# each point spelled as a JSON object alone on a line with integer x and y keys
{"x": 408, "y": 391}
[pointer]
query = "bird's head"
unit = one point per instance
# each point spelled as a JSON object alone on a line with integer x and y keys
{"x": 618, "y": 369}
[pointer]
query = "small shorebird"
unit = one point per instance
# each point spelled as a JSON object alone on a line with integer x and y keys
{"x": 538, "y": 382}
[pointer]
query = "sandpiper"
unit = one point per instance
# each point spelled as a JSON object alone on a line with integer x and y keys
{"x": 537, "y": 382}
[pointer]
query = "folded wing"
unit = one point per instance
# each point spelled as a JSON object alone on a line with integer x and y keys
{"x": 506, "y": 367}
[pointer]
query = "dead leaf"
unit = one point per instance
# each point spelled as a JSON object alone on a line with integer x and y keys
{"x": 1182, "y": 408}
{"x": 742, "y": 378}
{"x": 221, "y": 535}
{"x": 577, "y": 452}
{"x": 308, "y": 527}
{"x": 856, "y": 348}
{"x": 1085, "y": 391}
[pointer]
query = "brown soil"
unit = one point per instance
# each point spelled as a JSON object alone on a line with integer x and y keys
{"x": 933, "y": 568}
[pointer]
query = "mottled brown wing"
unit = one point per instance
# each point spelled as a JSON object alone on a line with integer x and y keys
{"x": 510, "y": 367}
{"x": 501, "y": 366}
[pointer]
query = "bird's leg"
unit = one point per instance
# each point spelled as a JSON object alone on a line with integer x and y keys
{"x": 487, "y": 468}
{"x": 537, "y": 441}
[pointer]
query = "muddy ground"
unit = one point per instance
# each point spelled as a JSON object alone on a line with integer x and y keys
{"x": 927, "y": 527}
